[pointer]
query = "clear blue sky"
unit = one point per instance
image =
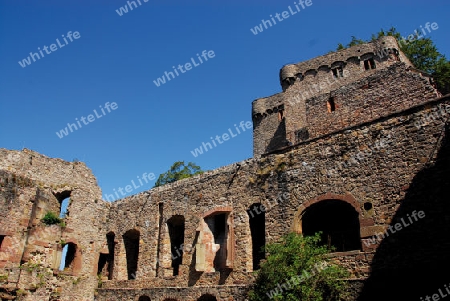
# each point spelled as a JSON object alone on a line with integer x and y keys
{"x": 117, "y": 58}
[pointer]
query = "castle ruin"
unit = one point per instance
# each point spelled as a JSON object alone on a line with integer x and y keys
{"x": 353, "y": 145}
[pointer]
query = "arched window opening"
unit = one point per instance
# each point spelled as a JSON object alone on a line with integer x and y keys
{"x": 64, "y": 208}
{"x": 337, "y": 220}
{"x": 106, "y": 260}
{"x": 70, "y": 260}
{"x": 369, "y": 64}
{"x": 338, "y": 72}
{"x": 131, "y": 242}
{"x": 257, "y": 220}
{"x": 176, "y": 233}
{"x": 63, "y": 198}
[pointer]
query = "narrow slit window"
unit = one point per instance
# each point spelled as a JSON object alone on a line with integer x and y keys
{"x": 331, "y": 106}
{"x": 280, "y": 115}
{"x": 1, "y": 240}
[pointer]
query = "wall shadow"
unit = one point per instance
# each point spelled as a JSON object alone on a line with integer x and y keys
{"x": 415, "y": 261}
{"x": 279, "y": 138}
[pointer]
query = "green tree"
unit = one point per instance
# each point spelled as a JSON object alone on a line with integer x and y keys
{"x": 177, "y": 172}
{"x": 422, "y": 53}
{"x": 297, "y": 269}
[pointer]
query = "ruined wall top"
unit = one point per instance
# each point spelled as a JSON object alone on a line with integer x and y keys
{"x": 344, "y": 55}
{"x": 49, "y": 172}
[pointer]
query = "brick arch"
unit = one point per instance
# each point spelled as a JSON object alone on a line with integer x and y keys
{"x": 367, "y": 55}
{"x": 310, "y": 72}
{"x": 338, "y": 64}
{"x": 207, "y": 297}
{"x": 364, "y": 223}
{"x": 353, "y": 59}
{"x": 324, "y": 68}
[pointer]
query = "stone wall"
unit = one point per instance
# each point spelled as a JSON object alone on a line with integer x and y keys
{"x": 380, "y": 94}
{"x": 369, "y": 167}
{"x": 228, "y": 293}
{"x": 32, "y": 185}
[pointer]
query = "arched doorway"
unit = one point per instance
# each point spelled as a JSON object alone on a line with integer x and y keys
{"x": 337, "y": 220}
{"x": 144, "y": 298}
{"x": 131, "y": 242}
{"x": 207, "y": 297}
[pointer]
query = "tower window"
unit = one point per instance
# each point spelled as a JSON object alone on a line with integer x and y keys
{"x": 338, "y": 72}
{"x": 369, "y": 64}
{"x": 331, "y": 106}
{"x": 280, "y": 115}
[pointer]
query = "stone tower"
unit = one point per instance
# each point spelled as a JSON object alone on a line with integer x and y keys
{"x": 335, "y": 91}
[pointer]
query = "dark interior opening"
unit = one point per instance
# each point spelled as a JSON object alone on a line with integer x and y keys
{"x": 111, "y": 246}
{"x": 176, "y": 233}
{"x": 337, "y": 220}
{"x": 102, "y": 261}
{"x": 367, "y": 206}
{"x": 2, "y": 237}
{"x": 207, "y": 297}
{"x": 218, "y": 225}
{"x": 331, "y": 105}
{"x": 70, "y": 255}
{"x": 369, "y": 64}
{"x": 144, "y": 298}
{"x": 131, "y": 242}
{"x": 257, "y": 221}
{"x": 335, "y": 74}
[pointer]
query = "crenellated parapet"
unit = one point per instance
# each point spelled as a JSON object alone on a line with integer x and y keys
{"x": 374, "y": 55}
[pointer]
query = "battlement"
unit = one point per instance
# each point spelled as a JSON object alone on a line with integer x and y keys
{"x": 378, "y": 54}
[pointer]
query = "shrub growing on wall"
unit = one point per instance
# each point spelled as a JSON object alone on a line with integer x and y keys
{"x": 50, "y": 218}
{"x": 297, "y": 269}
